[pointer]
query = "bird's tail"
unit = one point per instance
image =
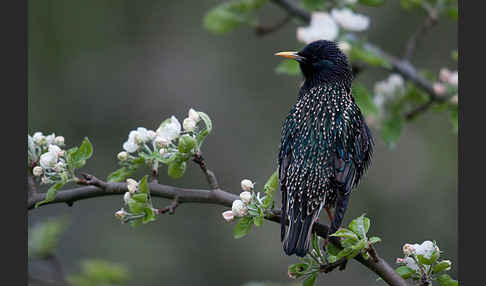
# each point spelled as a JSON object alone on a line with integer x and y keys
{"x": 298, "y": 236}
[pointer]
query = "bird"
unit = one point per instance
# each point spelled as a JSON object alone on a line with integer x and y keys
{"x": 325, "y": 145}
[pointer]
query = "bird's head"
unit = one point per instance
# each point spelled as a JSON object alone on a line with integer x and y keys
{"x": 321, "y": 61}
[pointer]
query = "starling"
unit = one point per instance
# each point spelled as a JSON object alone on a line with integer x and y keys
{"x": 325, "y": 146}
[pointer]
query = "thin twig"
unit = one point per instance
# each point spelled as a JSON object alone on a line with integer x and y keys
{"x": 170, "y": 208}
{"x": 210, "y": 177}
{"x": 429, "y": 21}
{"x": 341, "y": 263}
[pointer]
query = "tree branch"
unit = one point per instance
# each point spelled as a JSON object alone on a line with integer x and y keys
{"x": 429, "y": 21}
{"x": 265, "y": 30}
{"x": 216, "y": 197}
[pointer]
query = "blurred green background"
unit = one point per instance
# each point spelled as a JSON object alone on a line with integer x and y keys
{"x": 102, "y": 68}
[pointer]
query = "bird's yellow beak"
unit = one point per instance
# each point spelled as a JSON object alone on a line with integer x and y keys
{"x": 288, "y": 55}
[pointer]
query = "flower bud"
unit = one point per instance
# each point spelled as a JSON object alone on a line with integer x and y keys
{"x": 408, "y": 249}
{"x": 228, "y": 216}
{"x": 239, "y": 208}
{"x": 132, "y": 185}
{"x": 188, "y": 124}
{"x": 400, "y": 260}
{"x": 48, "y": 160}
{"x": 194, "y": 115}
{"x": 121, "y": 214}
{"x": 247, "y": 185}
{"x": 59, "y": 140}
{"x": 37, "y": 171}
{"x": 161, "y": 142}
{"x": 454, "y": 78}
{"x": 122, "y": 156}
{"x": 186, "y": 143}
{"x": 439, "y": 88}
{"x": 127, "y": 197}
{"x": 444, "y": 74}
{"x": 51, "y": 139}
{"x": 245, "y": 197}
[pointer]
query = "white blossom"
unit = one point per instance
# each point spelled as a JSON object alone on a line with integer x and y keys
{"x": 131, "y": 145}
{"x": 132, "y": 185}
{"x": 189, "y": 124}
{"x": 245, "y": 197}
{"x": 350, "y": 1}
{"x": 239, "y": 208}
{"x": 59, "y": 140}
{"x": 142, "y": 135}
{"x": 55, "y": 149}
{"x": 426, "y": 248}
{"x": 410, "y": 262}
{"x": 228, "y": 216}
{"x": 247, "y": 185}
{"x": 122, "y": 156}
{"x": 121, "y": 214}
{"x": 322, "y": 27}
{"x": 151, "y": 135}
{"x": 161, "y": 142}
{"x": 394, "y": 83}
{"x": 127, "y": 197}
{"x": 37, "y": 171}
{"x": 48, "y": 160}
{"x": 39, "y": 139}
{"x": 51, "y": 139}
{"x": 194, "y": 115}
{"x": 454, "y": 78}
{"x": 349, "y": 20}
{"x": 162, "y": 151}
{"x": 444, "y": 74}
{"x": 169, "y": 129}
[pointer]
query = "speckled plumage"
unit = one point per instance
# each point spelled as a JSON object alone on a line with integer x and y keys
{"x": 325, "y": 147}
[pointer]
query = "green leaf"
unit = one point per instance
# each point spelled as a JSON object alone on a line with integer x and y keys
{"x": 44, "y": 237}
{"x": 76, "y": 157}
{"x": 99, "y": 272}
{"x": 360, "y": 226}
{"x": 345, "y": 252}
{"x": 208, "y": 126}
{"x": 186, "y": 143}
{"x": 136, "y": 207}
{"x": 312, "y": 4}
{"x": 228, "y": 16}
{"x": 258, "y": 220}
{"x": 332, "y": 258}
{"x": 119, "y": 175}
{"x": 424, "y": 260}
{"x": 405, "y": 272}
{"x": 269, "y": 189}
{"x": 455, "y": 55}
{"x": 453, "y": 13}
{"x": 141, "y": 198}
{"x": 441, "y": 266}
{"x": 149, "y": 215}
{"x": 243, "y": 227}
{"x": 51, "y": 193}
{"x": 176, "y": 169}
{"x": 143, "y": 185}
{"x": 361, "y": 55}
{"x": 343, "y": 232}
{"x": 446, "y": 280}
{"x": 332, "y": 249}
{"x": 311, "y": 280}
{"x": 289, "y": 67}
{"x": 374, "y": 3}
{"x": 410, "y": 4}
{"x": 363, "y": 99}
{"x": 374, "y": 240}
{"x": 357, "y": 248}
{"x": 392, "y": 129}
